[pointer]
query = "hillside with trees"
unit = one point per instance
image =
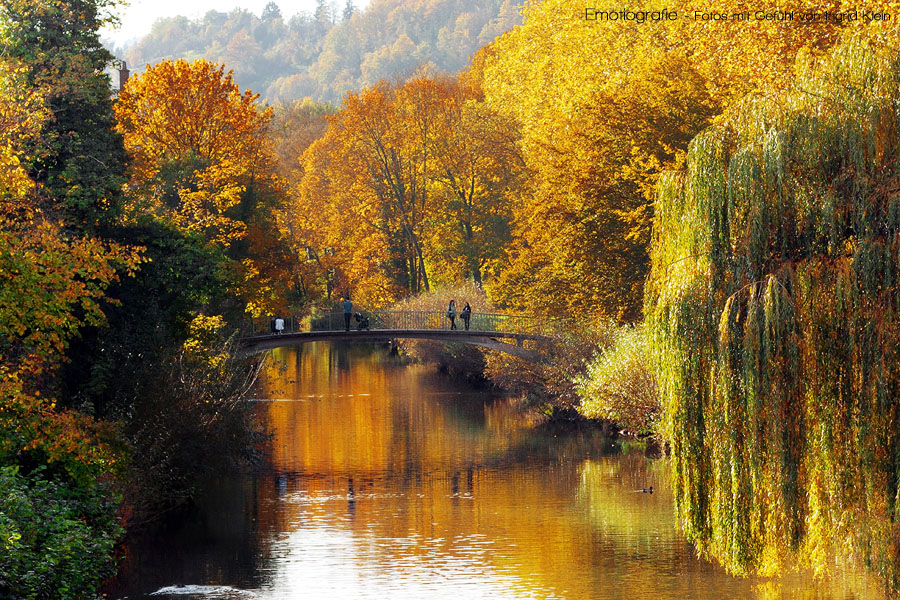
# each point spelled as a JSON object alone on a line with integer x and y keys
{"x": 323, "y": 54}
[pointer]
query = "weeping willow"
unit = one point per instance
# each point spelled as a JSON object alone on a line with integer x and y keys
{"x": 772, "y": 309}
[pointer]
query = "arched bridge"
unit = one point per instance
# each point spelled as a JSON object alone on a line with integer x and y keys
{"x": 505, "y": 333}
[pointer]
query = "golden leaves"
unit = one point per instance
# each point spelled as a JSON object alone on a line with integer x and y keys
{"x": 196, "y": 141}
{"x": 50, "y": 286}
{"x": 22, "y": 114}
{"x": 626, "y": 99}
{"x": 408, "y": 188}
{"x": 51, "y": 283}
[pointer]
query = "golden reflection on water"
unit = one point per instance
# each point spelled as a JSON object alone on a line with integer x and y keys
{"x": 394, "y": 482}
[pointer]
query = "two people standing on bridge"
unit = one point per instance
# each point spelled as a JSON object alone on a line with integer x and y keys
{"x": 465, "y": 315}
{"x": 276, "y": 324}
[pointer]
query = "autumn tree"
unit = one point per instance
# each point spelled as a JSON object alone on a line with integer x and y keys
{"x": 341, "y": 228}
{"x": 294, "y": 127}
{"x": 203, "y": 162}
{"x": 380, "y": 162}
{"x": 59, "y": 521}
{"x": 196, "y": 143}
{"x": 51, "y": 281}
{"x": 476, "y": 172}
{"x": 61, "y": 169}
{"x": 409, "y": 181}
{"x": 200, "y": 187}
{"x": 596, "y": 145}
{"x": 583, "y": 231}
{"x": 773, "y": 322}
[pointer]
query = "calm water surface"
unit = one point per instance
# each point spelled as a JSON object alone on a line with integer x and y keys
{"x": 393, "y": 481}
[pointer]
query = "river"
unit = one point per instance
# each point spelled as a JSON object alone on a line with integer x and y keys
{"x": 391, "y": 480}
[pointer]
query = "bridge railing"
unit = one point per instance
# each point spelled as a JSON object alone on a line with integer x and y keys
{"x": 266, "y": 325}
{"x": 438, "y": 320}
{"x": 410, "y": 320}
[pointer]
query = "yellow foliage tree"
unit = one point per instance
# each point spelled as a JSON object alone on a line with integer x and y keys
{"x": 22, "y": 112}
{"x": 597, "y": 143}
{"x": 51, "y": 284}
{"x": 50, "y": 281}
{"x": 202, "y": 161}
{"x": 410, "y": 185}
{"x": 341, "y": 224}
{"x": 196, "y": 143}
{"x": 475, "y": 172}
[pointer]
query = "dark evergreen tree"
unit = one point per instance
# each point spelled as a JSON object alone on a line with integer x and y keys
{"x": 81, "y": 161}
{"x": 271, "y": 12}
{"x": 349, "y": 9}
{"x": 323, "y": 14}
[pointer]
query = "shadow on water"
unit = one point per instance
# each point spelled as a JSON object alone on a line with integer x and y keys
{"x": 390, "y": 480}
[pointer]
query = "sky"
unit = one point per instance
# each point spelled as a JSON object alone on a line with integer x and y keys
{"x": 139, "y": 15}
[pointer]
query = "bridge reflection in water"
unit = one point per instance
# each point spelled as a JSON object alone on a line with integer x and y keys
{"x": 504, "y": 333}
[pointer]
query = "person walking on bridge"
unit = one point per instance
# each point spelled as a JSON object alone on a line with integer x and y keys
{"x": 348, "y": 310}
{"x": 466, "y": 314}
{"x": 451, "y": 314}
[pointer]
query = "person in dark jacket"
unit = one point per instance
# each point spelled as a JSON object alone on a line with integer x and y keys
{"x": 348, "y": 312}
{"x": 466, "y": 314}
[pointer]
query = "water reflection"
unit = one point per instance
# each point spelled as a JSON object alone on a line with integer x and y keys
{"x": 391, "y": 481}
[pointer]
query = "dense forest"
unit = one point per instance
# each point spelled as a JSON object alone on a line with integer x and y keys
{"x": 716, "y": 211}
{"x": 323, "y": 54}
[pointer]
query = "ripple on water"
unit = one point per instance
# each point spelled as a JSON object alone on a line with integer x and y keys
{"x": 214, "y": 592}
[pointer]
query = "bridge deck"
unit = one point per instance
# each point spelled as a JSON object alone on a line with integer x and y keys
{"x": 489, "y": 339}
{"x": 486, "y": 330}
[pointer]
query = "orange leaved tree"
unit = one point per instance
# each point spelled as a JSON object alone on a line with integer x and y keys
{"x": 408, "y": 188}
{"x": 202, "y": 161}
{"x": 196, "y": 143}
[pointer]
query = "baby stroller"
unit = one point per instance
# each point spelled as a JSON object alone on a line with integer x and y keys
{"x": 362, "y": 321}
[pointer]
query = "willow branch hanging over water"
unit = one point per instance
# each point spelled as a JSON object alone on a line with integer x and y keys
{"x": 777, "y": 343}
